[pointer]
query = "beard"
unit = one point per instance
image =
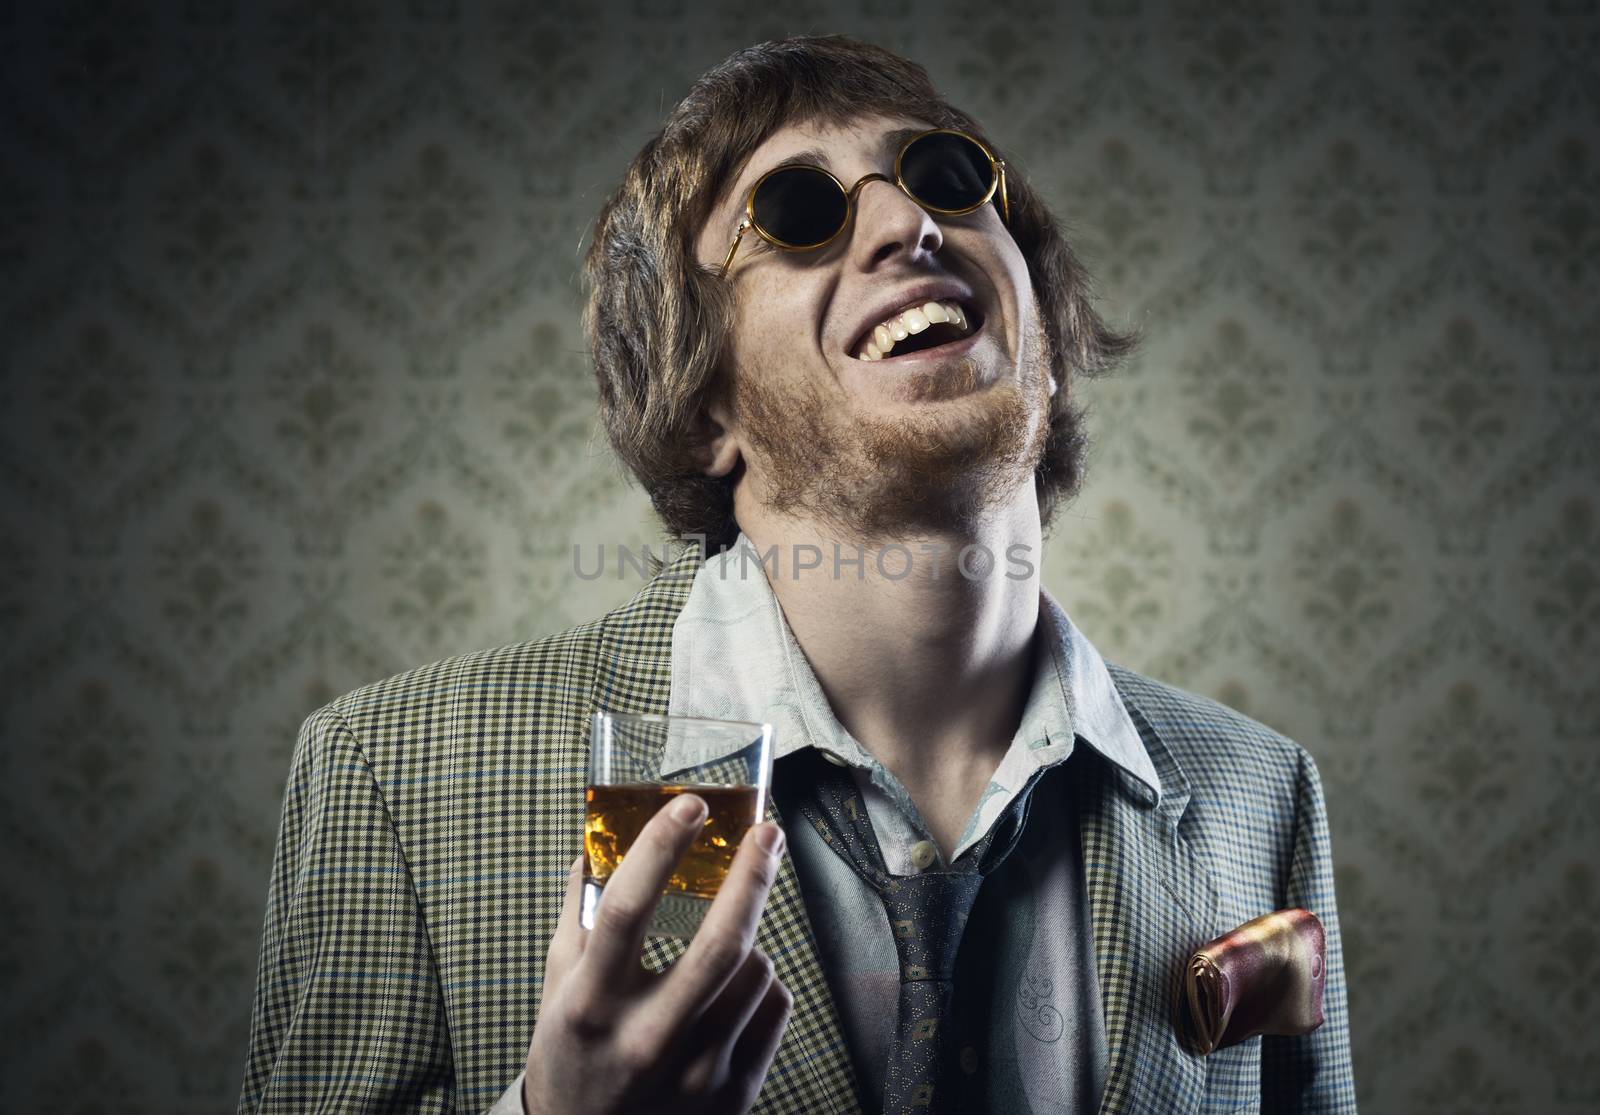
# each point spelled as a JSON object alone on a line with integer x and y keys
{"x": 946, "y": 465}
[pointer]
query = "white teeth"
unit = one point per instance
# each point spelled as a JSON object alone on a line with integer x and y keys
{"x": 881, "y": 341}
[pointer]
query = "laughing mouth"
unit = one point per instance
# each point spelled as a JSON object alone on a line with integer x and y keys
{"x": 918, "y": 328}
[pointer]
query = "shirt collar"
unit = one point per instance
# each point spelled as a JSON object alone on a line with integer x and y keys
{"x": 734, "y": 658}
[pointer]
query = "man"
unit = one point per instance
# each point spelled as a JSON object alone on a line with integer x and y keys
{"x": 855, "y": 381}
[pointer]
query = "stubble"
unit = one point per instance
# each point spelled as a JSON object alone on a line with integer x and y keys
{"x": 874, "y": 478}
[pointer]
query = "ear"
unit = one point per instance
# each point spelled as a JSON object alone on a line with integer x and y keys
{"x": 716, "y": 444}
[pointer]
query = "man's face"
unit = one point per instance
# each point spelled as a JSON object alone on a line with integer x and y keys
{"x": 878, "y": 447}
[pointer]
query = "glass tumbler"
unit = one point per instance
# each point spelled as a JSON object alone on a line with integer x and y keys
{"x": 637, "y": 764}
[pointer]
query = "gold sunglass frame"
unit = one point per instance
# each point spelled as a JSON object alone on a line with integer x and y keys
{"x": 997, "y": 182}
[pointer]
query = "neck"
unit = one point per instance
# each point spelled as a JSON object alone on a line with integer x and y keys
{"x": 924, "y": 655}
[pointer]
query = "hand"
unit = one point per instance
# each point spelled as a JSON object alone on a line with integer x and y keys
{"x": 613, "y": 1036}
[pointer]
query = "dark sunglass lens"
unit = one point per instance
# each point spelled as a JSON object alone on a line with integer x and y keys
{"x": 800, "y": 206}
{"x": 947, "y": 171}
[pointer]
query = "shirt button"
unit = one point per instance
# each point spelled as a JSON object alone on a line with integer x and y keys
{"x": 834, "y": 759}
{"x": 969, "y": 1060}
{"x": 923, "y": 853}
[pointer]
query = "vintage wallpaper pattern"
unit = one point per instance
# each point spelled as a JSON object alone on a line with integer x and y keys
{"x": 293, "y": 397}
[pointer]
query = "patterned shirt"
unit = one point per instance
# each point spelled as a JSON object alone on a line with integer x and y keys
{"x": 1028, "y": 1003}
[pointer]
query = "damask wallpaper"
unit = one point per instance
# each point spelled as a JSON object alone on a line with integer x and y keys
{"x": 293, "y": 396}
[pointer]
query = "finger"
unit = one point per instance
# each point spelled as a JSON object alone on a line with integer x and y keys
{"x": 566, "y": 945}
{"x": 612, "y": 952}
{"x": 756, "y": 1047}
{"x": 725, "y": 1019}
{"x": 706, "y": 1048}
{"x": 724, "y": 939}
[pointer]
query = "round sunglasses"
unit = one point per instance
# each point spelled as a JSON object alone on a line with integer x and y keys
{"x": 799, "y": 207}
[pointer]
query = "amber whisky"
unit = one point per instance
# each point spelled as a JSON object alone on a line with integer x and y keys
{"x": 616, "y": 813}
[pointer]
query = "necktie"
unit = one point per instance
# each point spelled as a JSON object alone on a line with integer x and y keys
{"x": 927, "y": 914}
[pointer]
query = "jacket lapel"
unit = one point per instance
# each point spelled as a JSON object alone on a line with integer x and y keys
{"x": 812, "y": 1068}
{"x": 1151, "y": 904}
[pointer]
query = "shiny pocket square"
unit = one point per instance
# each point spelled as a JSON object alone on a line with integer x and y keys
{"x": 1265, "y": 977}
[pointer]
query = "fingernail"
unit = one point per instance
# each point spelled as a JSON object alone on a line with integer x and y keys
{"x": 688, "y": 809}
{"x": 771, "y": 839}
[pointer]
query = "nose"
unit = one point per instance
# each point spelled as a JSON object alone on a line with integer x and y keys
{"x": 888, "y": 223}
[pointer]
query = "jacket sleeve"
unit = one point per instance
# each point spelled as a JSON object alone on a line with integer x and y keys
{"x": 1313, "y": 1072}
{"x": 349, "y": 1015}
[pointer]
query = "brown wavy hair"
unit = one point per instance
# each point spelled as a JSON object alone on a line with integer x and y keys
{"x": 656, "y": 319}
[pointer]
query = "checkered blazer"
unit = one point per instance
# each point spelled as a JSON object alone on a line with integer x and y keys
{"x": 429, "y": 821}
